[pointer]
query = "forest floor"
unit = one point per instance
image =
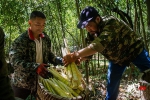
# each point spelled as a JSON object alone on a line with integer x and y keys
{"x": 129, "y": 90}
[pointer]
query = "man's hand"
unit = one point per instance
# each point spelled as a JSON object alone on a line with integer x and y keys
{"x": 69, "y": 58}
{"x": 79, "y": 60}
{"x": 43, "y": 71}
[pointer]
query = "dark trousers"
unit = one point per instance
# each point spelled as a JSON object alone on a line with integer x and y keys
{"x": 6, "y": 92}
{"x": 115, "y": 71}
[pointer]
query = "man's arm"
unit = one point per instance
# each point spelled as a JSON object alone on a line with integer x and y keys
{"x": 18, "y": 56}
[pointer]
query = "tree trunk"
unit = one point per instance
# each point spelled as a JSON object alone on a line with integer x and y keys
{"x": 148, "y": 16}
{"x": 142, "y": 22}
{"x": 148, "y": 13}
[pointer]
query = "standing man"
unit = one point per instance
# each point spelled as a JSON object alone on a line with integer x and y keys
{"x": 30, "y": 53}
{"x": 114, "y": 39}
{"x": 6, "y": 92}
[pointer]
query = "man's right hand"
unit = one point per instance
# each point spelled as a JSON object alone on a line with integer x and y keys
{"x": 43, "y": 71}
{"x": 69, "y": 58}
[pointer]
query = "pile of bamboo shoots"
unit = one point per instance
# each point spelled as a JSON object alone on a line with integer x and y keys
{"x": 69, "y": 83}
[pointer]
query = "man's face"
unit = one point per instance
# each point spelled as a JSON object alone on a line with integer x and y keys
{"x": 37, "y": 25}
{"x": 92, "y": 26}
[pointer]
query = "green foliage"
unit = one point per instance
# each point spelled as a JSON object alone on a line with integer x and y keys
{"x": 62, "y": 18}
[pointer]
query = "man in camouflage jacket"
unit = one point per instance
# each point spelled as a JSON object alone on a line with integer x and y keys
{"x": 114, "y": 39}
{"x": 25, "y": 56}
{"x": 6, "y": 92}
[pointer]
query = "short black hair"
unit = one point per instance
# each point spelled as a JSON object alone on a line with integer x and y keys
{"x": 35, "y": 14}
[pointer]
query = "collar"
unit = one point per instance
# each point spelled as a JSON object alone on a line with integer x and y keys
{"x": 31, "y": 34}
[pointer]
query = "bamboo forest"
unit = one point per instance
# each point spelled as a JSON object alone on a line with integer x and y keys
{"x": 87, "y": 79}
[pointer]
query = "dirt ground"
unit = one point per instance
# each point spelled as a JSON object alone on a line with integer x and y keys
{"x": 129, "y": 90}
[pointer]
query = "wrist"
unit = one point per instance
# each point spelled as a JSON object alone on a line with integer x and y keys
{"x": 77, "y": 54}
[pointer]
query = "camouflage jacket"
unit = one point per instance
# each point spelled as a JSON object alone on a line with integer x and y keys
{"x": 3, "y": 64}
{"x": 117, "y": 41}
{"x": 23, "y": 59}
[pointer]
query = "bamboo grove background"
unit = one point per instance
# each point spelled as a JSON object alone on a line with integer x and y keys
{"x": 62, "y": 18}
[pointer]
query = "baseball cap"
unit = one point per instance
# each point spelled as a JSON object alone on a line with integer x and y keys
{"x": 86, "y": 15}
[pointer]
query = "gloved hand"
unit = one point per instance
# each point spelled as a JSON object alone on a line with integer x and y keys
{"x": 69, "y": 58}
{"x": 43, "y": 71}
